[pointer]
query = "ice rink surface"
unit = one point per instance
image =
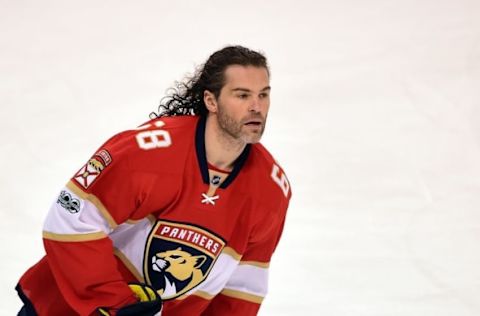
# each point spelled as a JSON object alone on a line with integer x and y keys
{"x": 375, "y": 116}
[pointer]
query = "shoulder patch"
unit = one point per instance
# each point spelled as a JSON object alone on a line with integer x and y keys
{"x": 69, "y": 202}
{"x": 93, "y": 168}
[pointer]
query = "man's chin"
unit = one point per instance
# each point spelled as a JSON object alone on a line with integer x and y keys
{"x": 252, "y": 139}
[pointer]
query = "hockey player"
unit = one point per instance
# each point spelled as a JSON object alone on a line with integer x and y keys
{"x": 179, "y": 216}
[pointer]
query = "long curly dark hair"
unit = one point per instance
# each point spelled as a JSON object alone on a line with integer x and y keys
{"x": 186, "y": 98}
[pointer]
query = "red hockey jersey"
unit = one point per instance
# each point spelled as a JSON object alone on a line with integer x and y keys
{"x": 147, "y": 207}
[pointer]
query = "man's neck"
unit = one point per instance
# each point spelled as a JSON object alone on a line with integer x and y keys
{"x": 221, "y": 149}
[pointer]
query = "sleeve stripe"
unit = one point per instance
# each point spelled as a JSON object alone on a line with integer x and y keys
{"x": 258, "y": 264}
{"x": 250, "y": 280}
{"x": 74, "y": 237}
{"x": 221, "y": 271}
{"x": 243, "y": 296}
{"x": 202, "y": 294}
{"x": 129, "y": 265}
{"x": 232, "y": 253}
{"x": 236, "y": 256}
{"x": 95, "y": 201}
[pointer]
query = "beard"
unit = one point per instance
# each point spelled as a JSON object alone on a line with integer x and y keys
{"x": 237, "y": 129}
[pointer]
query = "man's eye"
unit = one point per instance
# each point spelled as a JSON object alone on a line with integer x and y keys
{"x": 243, "y": 96}
{"x": 263, "y": 95}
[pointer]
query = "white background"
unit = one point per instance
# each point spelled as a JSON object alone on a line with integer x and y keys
{"x": 375, "y": 117}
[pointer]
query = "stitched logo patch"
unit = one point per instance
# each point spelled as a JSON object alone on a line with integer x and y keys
{"x": 68, "y": 202}
{"x": 178, "y": 257}
{"x": 93, "y": 168}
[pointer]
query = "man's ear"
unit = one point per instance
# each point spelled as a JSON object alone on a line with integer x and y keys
{"x": 210, "y": 101}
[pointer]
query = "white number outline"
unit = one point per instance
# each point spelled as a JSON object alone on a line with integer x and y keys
{"x": 158, "y": 138}
{"x": 281, "y": 179}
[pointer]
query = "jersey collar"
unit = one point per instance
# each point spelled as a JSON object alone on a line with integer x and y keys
{"x": 202, "y": 157}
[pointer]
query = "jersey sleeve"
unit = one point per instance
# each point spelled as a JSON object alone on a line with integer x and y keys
{"x": 248, "y": 285}
{"x": 104, "y": 193}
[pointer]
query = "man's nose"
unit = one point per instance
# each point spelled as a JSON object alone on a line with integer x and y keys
{"x": 254, "y": 105}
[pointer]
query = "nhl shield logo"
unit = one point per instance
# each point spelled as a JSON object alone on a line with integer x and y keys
{"x": 178, "y": 257}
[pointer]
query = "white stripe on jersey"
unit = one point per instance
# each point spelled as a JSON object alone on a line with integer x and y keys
{"x": 130, "y": 240}
{"x": 219, "y": 275}
{"x": 86, "y": 221}
{"x": 249, "y": 279}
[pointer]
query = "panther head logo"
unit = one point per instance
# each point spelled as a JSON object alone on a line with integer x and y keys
{"x": 178, "y": 257}
{"x": 181, "y": 270}
{"x": 95, "y": 164}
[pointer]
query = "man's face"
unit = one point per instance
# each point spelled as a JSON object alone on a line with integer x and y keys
{"x": 243, "y": 103}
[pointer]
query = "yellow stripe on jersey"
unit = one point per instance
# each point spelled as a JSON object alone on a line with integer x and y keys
{"x": 258, "y": 264}
{"x": 133, "y": 221}
{"x": 236, "y": 256}
{"x": 232, "y": 253}
{"x": 150, "y": 217}
{"x": 243, "y": 296}
{"x": 74, "y": 237}
{"x": 95, "y": 201}
{"x": 204, "y": 295}
{"x": 129, "y": 265}
{"x": 201, "y": 294}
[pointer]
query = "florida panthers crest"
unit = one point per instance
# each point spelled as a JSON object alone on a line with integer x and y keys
{"x": 178, "y": 257}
